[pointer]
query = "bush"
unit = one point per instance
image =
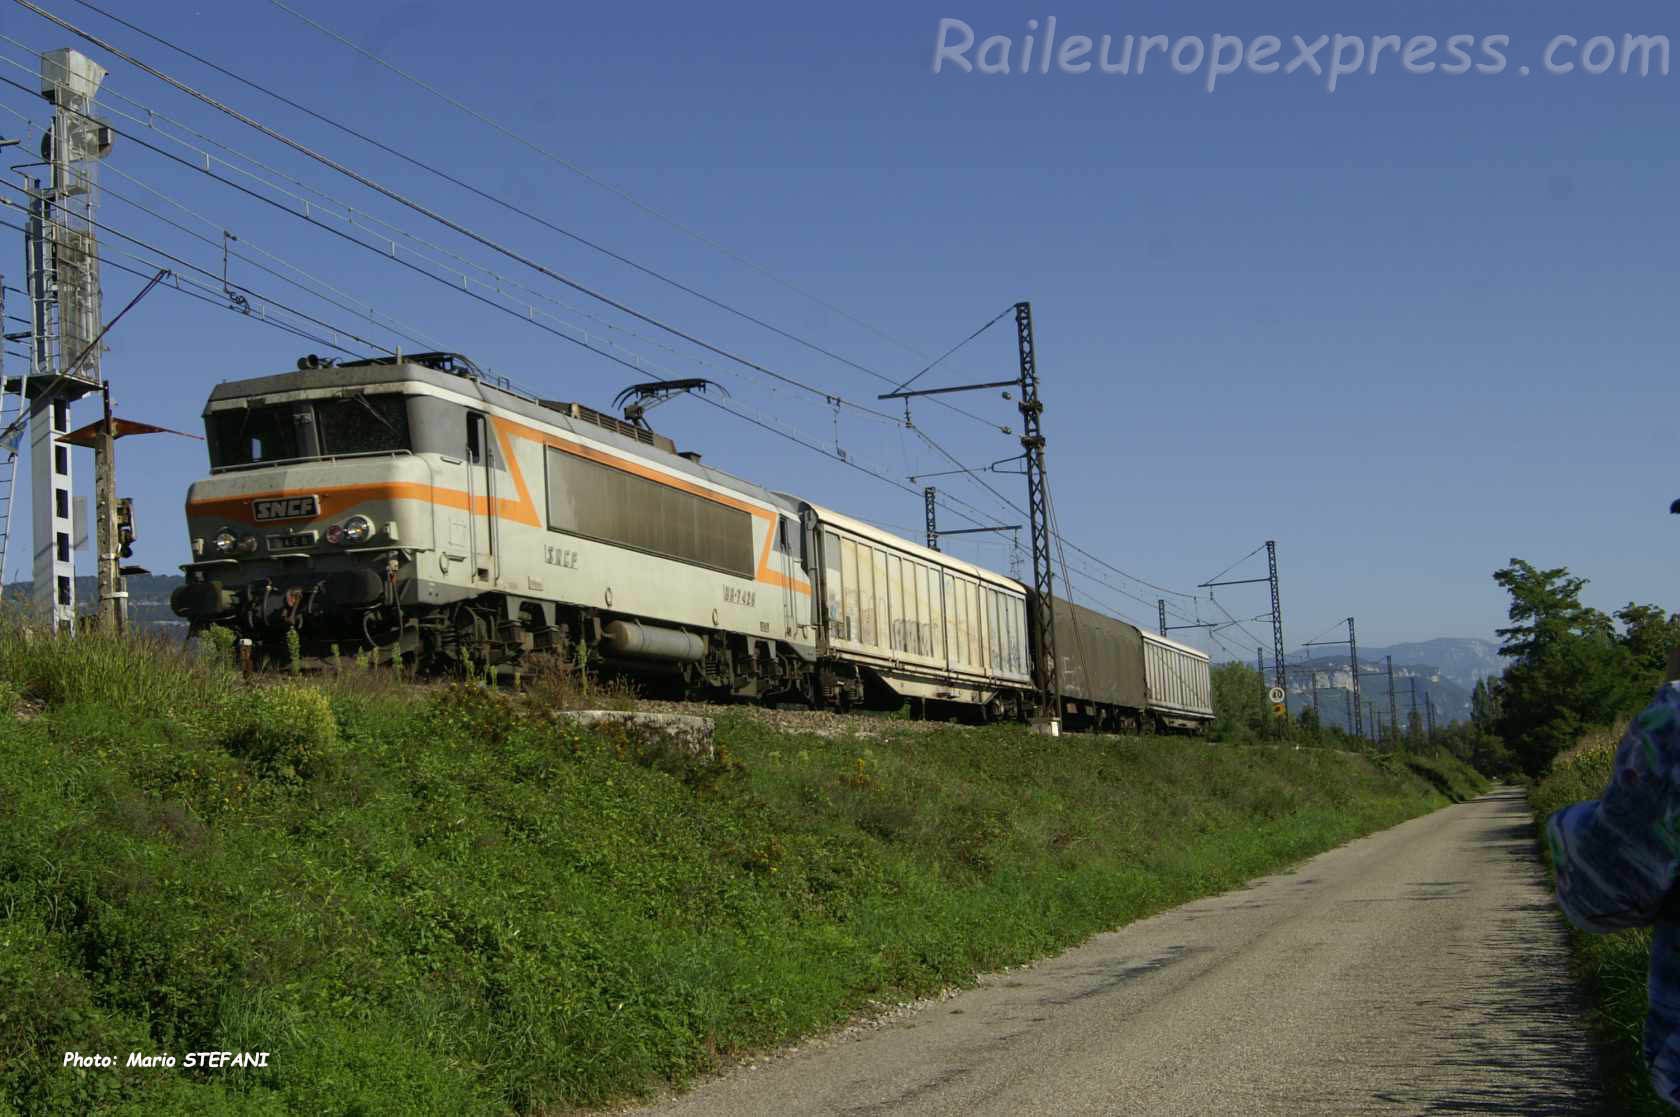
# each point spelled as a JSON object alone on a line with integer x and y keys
{"x": 287, "y": 729}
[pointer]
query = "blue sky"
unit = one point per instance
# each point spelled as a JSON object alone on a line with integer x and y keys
{"x": 1408, "y": 329}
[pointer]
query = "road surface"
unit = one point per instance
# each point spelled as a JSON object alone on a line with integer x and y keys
{"x": 1421, "y": 970}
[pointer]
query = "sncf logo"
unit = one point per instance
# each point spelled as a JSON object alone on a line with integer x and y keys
{"x": 285, "y": 508}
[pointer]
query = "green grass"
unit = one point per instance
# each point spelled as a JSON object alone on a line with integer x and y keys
{"x": 450, "y": 901}
{"x": 1613, "y": 967}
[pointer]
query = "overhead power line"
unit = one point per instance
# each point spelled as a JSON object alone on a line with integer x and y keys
{"x": 333, "y": 295}
{"x": 174, "y": 284}
{"x": 375, "y": 249}
{"x": 1238, "y": 563}
{"x": 580, "y": 172}
{"x": 432, "y": 168}
{"x": 389, "y": 234}
{"x": 978, "y": 520}
{"x": 261, "y": 300}
{"x": 386, "y": 249}
{"x": 984, "y": 484}
{"x": 1239, "y": 624}
{"x": 426, "y": 211}
{"x": 181, "y": 262}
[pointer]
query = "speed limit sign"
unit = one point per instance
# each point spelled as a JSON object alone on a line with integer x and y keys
{"x": 1275, "y": 694}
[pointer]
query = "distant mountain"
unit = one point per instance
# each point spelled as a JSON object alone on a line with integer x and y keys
{"x": 1421, "y": 683}
{"x": 1445, "y": 670}
{"x": 1463, "y": 659}
{"x": 148, "y": 600}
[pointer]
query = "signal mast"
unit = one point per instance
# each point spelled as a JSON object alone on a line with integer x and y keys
{"x": 61, "y": 266}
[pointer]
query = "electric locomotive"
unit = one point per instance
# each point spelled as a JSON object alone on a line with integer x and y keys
{"x": 412, "y": 508}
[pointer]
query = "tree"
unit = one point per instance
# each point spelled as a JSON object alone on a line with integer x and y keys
{"x": 1483, "y": 709}
{"x": 1648, "y": 632}
{"x": 1240, "y": 710}
{"x": 1546, "y": 610}
{"x": 1572, "y": 669}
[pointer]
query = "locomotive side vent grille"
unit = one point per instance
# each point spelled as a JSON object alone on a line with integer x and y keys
{"x": 607, "y": 422}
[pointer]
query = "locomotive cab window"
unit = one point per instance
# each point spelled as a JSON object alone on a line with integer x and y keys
{"x": 308, "y": 429}
{"x": 361, "y": 424}
{"x": 477, "y": 444}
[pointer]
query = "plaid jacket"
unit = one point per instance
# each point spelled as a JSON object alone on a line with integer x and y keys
{"x": 1617, "y": 859}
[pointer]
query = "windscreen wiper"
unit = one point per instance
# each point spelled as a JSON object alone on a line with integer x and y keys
{"x": 371, "y": 410}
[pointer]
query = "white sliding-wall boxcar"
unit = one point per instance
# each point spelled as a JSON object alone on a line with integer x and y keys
{"x": 926, "y": 624}
{"x": 1180, "y": 688}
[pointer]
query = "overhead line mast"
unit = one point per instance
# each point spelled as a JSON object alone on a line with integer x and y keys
{"x": 934, "y": 531}
{"x": 1271, "y": 579}
{"x": 1356, "y": 717}
{"x": 1393, "y": 710}
{"x": 1038, "y": 515}
{"x": 1038, "y": 498}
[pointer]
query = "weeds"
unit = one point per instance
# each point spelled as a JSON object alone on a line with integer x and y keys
{"x": 450, "y": 899}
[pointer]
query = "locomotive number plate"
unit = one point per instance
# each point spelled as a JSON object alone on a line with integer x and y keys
{"x": 291, "y": 542}
{"x": 285, "y": 508}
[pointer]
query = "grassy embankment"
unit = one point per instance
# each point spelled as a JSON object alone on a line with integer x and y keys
{"x": 453, "y": 903}
{"x": 1613, "y": 967}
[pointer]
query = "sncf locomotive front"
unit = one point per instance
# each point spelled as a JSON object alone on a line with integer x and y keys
{"x": 318, "y": 500}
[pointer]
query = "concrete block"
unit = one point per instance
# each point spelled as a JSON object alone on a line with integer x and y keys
{"x": 686, "y": 733}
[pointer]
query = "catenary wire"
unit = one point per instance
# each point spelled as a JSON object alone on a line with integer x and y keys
{"x": 221, "y": 303}
{"x": 503, "y": 203}
{"x": 424, "y": 210}
{"x": 1238, "y": 563}
{"x": 140, "y": 243}
{"x": 977, "y": 479}
{"x": 350, "y": 216}
{"x": 779, "y": 431}
{"x": 618, "y": 191}
{"x": 336, "y": 298}
{"x": 363, "y": 244}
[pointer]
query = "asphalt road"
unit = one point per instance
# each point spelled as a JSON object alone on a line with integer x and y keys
{"x": 1421, "y": 970}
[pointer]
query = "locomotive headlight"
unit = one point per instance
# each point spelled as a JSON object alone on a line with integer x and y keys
{"x": 358, "y": 529}
{"x": 225, "y": 542}
{"x": 248, "y": 545}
